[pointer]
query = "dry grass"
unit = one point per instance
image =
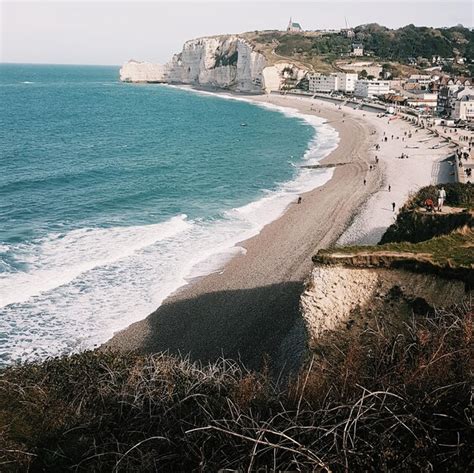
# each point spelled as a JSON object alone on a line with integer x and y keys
{"x": 388, "y": 402}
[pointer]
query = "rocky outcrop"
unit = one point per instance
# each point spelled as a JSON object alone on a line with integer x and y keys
{"x": 136, "y": 71}
{"x": 225, "y": 62}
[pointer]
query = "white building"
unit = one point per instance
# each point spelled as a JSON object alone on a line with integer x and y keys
{"x": 323, "y": 82}
{"x": 423, "y": 100}
{"x": 346, "y": 81}
{"x": 335, "y": 82}
{"x": 464, "y": 108}
{"x": 294, "y": 27}
{"x": 371, "y": 88}
{"x": 357, "y": 49}
{"x": 423, "y": 79}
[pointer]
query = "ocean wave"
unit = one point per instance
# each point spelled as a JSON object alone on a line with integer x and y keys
{"x": 59, "y": 258}
{"x": 82, "y": 286}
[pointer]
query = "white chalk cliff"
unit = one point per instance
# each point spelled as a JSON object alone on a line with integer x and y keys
{"x": 226, "y": 62}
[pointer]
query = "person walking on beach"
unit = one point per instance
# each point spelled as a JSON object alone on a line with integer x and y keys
{"x": 365, "y": 182}
{"x": 393, "y": 206}
{"x": 390, "y": 188}
{"x": 299, "y": 200}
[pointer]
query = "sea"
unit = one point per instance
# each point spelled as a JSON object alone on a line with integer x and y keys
{"x": 114, "y": 195}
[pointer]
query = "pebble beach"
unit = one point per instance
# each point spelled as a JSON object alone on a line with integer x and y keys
{"x": 249, "y": 310}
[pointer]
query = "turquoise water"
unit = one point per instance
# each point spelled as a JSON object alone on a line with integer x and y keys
{"x": 113, "y": 195}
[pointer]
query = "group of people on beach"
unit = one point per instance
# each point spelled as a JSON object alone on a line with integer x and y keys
{"x": 460, "y": 155}
{"x": 463, "y": 154}
{"x": 406, "y": 134}
{"x": 469, "y": 139}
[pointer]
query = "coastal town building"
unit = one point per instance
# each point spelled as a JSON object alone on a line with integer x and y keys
{"x": 348, "y": 33}
{"x": 422, "y": 100}
{"x": 294, "y": 27}
{"x": 447, "y": 97}
{"x": 357, "y": 49}
{"x": 347, "y": 81}
{"x": 335, "y": 82}
{"x": 324, "y": 83}
{"x": 433, "y": 69}
{"x": 371, "y": 88}
{"x": 443, "y": 105}
{"x": 422, "y": 79}
{"x": 464, "y": 108}
{"x": 396, "y": 99}
{"x": 464, "y": 81}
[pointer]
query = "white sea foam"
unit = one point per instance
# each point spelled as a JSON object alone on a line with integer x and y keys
{"x": 59, "y": 258}
{"x": 82, "y": 286}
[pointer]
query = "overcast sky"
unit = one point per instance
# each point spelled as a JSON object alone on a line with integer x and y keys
{"x": 111, "y": 32}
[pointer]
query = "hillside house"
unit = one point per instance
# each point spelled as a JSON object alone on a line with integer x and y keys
{"x": 357, "y": 49}
{"x": 464, "y": 108}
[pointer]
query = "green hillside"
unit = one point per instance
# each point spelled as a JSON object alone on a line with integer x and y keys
{"x": 319, "y": 50}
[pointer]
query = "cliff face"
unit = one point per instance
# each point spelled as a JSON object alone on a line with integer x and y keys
{"x": 136, "y": 71}
{"x": 340, "y": 296}
{"x": 226, "y": 62}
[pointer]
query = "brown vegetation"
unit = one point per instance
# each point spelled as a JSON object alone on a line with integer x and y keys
{"x": 388, "y": 401}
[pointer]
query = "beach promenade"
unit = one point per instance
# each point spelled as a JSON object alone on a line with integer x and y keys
{"x": 250, "y": 309}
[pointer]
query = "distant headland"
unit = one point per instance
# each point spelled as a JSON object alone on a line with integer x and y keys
{"x": 294, "y": 59}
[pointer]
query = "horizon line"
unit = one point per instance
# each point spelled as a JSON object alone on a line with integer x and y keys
{"x": 56, "y": 64}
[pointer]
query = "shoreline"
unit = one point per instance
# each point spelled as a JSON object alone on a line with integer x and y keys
{"x": 250, "y": 309}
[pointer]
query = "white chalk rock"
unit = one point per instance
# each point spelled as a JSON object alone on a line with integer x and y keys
{"x": 225, "y": 62}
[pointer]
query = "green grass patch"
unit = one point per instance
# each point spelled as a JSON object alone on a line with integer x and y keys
{"x": 455, "y": 249}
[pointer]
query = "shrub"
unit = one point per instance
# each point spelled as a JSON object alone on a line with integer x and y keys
{"x": 457, "y": 195}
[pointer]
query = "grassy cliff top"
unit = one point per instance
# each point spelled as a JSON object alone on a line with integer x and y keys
{"x": 320, "y": 51}
{"x": 429, "y": 242}
{"x": 455, "y": 250}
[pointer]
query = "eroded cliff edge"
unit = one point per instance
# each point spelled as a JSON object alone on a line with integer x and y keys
{"x": 342, "y": 294}
{"x": 228, "y": 62}
{"x": 352, "y": 289}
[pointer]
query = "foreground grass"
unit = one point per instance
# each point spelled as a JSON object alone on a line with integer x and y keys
{"x": 389, "y": 402}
